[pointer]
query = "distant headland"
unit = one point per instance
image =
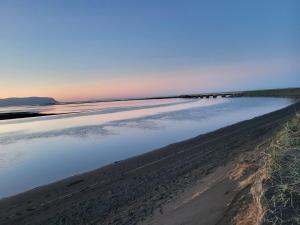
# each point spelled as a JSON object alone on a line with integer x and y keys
{"x": 29, "y": 101}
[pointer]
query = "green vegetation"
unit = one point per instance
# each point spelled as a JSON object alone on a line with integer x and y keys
{"x": 287, "y": 92}
{"x": 282, "y": 187}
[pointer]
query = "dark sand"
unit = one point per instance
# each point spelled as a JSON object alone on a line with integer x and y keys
{"x": 183, "y": 183}
{"x": 19, "y": 115}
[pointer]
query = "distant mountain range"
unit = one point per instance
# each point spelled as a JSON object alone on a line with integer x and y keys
{"x": 31, "y": 101}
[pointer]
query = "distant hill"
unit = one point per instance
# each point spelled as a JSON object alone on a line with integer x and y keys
{"x": 282, "y": 92}
{"x": 27, "y": 101}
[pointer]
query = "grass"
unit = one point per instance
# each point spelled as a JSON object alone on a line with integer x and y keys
{"x": 269, "y": 179}
{"x": 282, "y": 186}
{"x": 286, "y": 92}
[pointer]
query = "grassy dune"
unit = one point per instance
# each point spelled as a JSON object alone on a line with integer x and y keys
{"x": 274, "y": 188}
{"x": 282, "y": 188}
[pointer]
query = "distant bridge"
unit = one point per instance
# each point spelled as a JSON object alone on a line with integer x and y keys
{"x": 213, "y": 95}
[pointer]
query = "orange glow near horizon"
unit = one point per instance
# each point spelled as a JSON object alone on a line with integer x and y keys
{"x": 163, "y": 83}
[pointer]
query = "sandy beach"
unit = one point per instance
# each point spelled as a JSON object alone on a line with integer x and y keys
{"x": 189, "y": 182}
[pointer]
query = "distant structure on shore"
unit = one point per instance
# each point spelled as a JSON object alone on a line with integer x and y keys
{"x": 30, "y": 101}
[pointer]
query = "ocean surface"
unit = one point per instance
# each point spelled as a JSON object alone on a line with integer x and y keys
{"x": 41, "y": 150}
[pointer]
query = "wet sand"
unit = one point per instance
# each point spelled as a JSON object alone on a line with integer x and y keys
{"x": 183, "y": 183}
{"x": 19, "y": 115}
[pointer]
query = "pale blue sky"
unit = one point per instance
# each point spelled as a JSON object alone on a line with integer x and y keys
{"x": 54, "y": 47}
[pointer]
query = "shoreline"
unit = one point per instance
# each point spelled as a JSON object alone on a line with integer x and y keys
{"x": 140, "y": 188}
{"x": 21, "y": 115}
{"x": 292, "y": 93}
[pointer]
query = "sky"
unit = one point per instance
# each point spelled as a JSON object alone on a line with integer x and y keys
{"x": 78, "y": 50}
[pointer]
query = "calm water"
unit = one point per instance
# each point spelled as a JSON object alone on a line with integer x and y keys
{"x": 37, "y": 151}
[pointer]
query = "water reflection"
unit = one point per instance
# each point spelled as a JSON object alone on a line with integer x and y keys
{"x": 37, "y": 151}
{"x": 60, "y": 124}
{"x": 91, "y": 107}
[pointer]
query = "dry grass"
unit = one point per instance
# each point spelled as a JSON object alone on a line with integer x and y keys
{"x": 251, "y": 174}
{"x": 282, "y": 188}
{"x": 274, "y": 196}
